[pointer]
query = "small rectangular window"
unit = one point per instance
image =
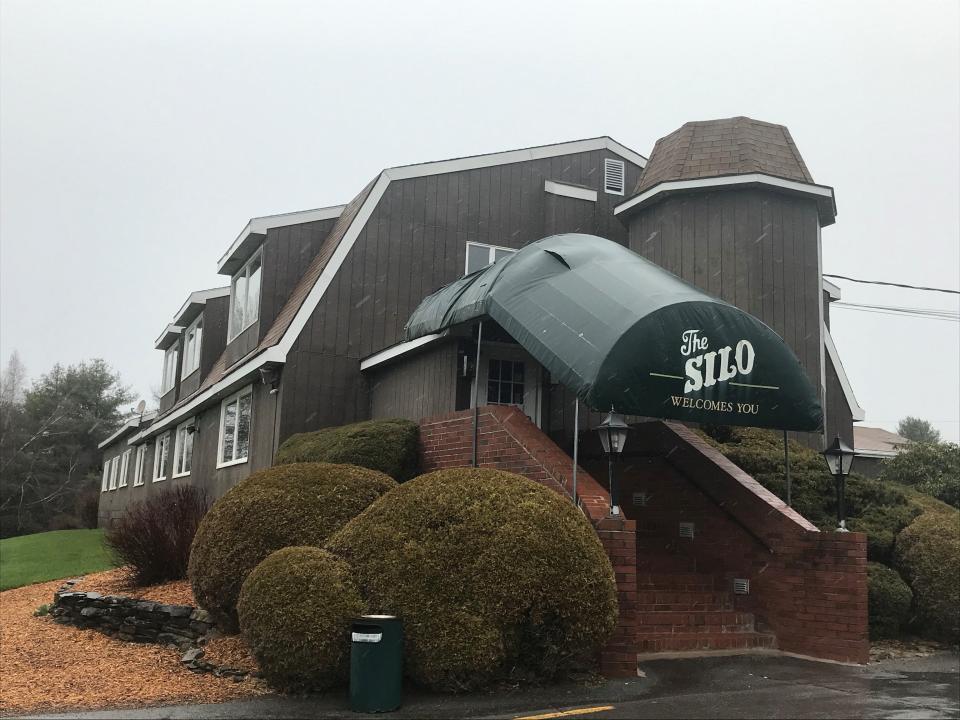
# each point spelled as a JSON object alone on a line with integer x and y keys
{"x": 480, "y": 255}
{"x": 192, "y": 338}
{"x": 235, "y": 417}
{"x": 124, "y": 468}
{"x": 114, "y": 467}
{"x": 169, "y": 370}
{"x": 505, "y": 382}
{"x": 183, "y": 449}
{"x": 160, "y": 450}
{"x": 138, "y": 465}
{"x": 105, "y": 483}
{"x": 614, "y": 174}
{"x": 245, "y": 297}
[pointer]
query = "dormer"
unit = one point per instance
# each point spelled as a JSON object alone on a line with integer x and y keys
{"x": 169, "y": 342}
{"x": 203, "y": 318}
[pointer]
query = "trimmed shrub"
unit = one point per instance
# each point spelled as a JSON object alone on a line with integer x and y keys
{"x": 295, "y": 610}
{"x": 155, "y": 535}
{"x": 491, "y": 573}
{"x": 928, "y": 557}
{"x": 933, "y": 469}
{"x": 390, "y": 446}
{"x": 297, "y": 504}
{"x": 889, "y": 599}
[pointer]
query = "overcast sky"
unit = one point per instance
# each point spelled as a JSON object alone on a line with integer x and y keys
{"x": 137, "y": 138}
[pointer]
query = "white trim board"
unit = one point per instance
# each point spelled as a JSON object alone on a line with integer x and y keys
{"x": 168, "y": 331}
{"x": 200, "y": 297}
{"x": 571, "y": 191}
{"x": 399, "y": 349}
{"x": 820, "y": 191}
{"x": 855, "y": 410}
{"x": 260, "y": 225}
{"x": 278, "y": 352}
{"x": 129, "y": 424}
{"x": 832, "y": 290}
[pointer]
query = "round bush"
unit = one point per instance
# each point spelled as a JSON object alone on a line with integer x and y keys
{"x": 295, "y": 610}
{"x": 889, "y": 599}
{"x": 928, "y": 557}
{"x": 390, "y": 446}
{"x": 298, "y": 504}
{"x": 490, "y": 573}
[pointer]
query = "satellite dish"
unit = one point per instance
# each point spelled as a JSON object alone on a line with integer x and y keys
{"x": 141, "y": 406}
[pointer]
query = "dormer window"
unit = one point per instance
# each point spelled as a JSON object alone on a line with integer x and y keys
{"x": 479, "y": 255}
{"x": 169, "y": 370}
{"x": 192, "y": 338}
{"x": 245, "y": 297}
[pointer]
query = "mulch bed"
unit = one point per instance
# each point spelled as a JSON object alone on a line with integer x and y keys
{"x": 48, "y": 667}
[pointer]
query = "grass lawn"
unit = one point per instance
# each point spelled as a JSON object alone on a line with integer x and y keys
{"x": 50, "y": 556}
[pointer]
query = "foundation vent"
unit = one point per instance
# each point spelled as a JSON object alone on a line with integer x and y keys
{"x": 741, "y": 586}
{"x": 687, "y": 530}
{"x": 640, "y": 499}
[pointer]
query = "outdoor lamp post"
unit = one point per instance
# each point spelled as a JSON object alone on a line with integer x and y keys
{"x": 839, "y": 457}
{"x": 613, "y": 436}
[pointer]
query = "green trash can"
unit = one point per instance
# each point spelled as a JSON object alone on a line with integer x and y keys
{"x": 376, "y": 663}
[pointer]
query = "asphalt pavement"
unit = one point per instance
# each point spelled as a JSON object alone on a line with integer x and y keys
{"x": 746, "y": 686}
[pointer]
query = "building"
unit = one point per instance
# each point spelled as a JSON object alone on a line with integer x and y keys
{"x": 873, "y": 446}
{"x": 310, "y": 330}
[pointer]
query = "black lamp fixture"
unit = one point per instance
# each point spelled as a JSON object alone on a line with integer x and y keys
{"x": 613, "y": 436}
{"x": 839, "y": 457}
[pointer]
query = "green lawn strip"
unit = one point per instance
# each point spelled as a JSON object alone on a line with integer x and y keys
{"x": 50, "y": 556}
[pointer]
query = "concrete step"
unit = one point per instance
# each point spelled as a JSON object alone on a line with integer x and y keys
{"x": 693, "y": 642}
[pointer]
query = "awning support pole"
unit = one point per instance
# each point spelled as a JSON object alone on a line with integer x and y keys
{"x": 576, "y": 445}
{"x": 786, "y": 463}
{"x": 476, "y": 383}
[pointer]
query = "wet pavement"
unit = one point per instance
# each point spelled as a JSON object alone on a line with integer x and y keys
{"x": 747, "y": 686}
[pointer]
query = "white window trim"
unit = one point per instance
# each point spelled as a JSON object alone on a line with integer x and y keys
{"x": 610, "y": 162}
{"x": 185, "y": 369}
{"x": 492, "y": 253}
{"x": 113, "y": 472}
{"x": 176, "y": 449}
{"x": 233, "y": 332}
{"x": 248, "y": 390}
{"x": 124, "y": 469}
{"x": 158, "y": 456}
{"x": 174, "y": 350}
{"x": 105, "y": 483}
{"x": 139, "y": 459}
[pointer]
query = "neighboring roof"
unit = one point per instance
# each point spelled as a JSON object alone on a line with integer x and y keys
{"x": 308, "y": 292}
{"x": 856, "y": 411}
{"x": 832, "y": 290}
{"x": 194, "y": 304}
{"x": 619, "y": 330}
{"x": 877, "y": 442}
{"x": 170, "y": 333}
{"x": 252, "y": 234}
{"x": 132, "y": 424}
{"x": 711, "y": 153}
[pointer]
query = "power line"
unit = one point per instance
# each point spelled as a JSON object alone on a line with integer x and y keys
{"x": 924, "y": 313}
{"x": 892, "y": 284}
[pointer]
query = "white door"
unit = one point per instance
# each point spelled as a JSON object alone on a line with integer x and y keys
{"x": 509, "y": 376}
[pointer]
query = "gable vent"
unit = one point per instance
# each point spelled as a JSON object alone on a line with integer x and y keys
{"x": 614, "y": 173}
{"x": 641, "y": 499}
{"x": 687, "y": 530}
{"x": 741, "y": 586}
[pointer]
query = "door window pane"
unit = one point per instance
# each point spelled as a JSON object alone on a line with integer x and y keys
{"x": 505, "y": 382}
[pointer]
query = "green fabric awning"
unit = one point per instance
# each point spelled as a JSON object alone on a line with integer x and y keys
{"x": 623, "y": 332}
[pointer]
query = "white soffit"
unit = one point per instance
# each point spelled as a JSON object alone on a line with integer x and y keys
{"x": 244, "y": 245}
{"x": 855, "y": 410}
{"x": 399, "y": 349}
{"x": 278, "y": 352}
{"x": 169, "y": 334}
{"x": 570, "y": 191}
{"x": 198, "y": 299}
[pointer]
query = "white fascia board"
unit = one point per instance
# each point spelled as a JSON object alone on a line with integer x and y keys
{"x": 278, "y": 353}
{"x": 399, "y": 349}
{"x": 169, "y": 330}
{"x": 875, "y": 453}
{"x": 830, "y": 289}
{"x": 570, "y": 191}
{"x": 855, "y": 410}
{"x": 131, "y": 423}
{"x": 199, "y": 297}
{"x": 260, "y": 225}
{"x": 823, "y": 191}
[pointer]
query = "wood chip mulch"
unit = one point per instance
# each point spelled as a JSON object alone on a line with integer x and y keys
{"x": 45, "y": 667}
{"x": 118, "y": 582}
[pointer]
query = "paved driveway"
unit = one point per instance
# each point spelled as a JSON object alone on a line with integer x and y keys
{"x": 753, "y": 686}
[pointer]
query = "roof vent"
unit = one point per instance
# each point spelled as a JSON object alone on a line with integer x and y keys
{"x": 640, "y": 499}
{"x": 613, "y": 176}
{"x": 687, "y": 530}
{"x": 741, "y": 586}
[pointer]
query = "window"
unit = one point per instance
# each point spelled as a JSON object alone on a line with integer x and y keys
{"x": 138, "y": 465}
{"x": 104, "y": 484}
{"x": 192, "y": 337}
{"x": 124, "y": 469}
{"x": 169, "y": 370}
{"x": 235, "y": 428}
{"x": 114, "y": 466}
{"x": 613, "y": 176}
{"x": 160, "y": 450}
{"x": 183, "y": 449}
{"x": 480, "y": 255}
{"x": 505, "y": 382}
{"x": 245, "y": 297}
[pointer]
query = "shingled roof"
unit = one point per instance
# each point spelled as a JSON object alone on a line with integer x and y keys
{"x": 731, "y": 146}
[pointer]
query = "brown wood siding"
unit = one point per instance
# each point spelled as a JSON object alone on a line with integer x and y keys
{"x": 214, "y": 333}
{"x": 416, "y": 386}
{"x": 839, "y": 419}
{"x": 413, "y": 244}
{"x": 242, "y": 343}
